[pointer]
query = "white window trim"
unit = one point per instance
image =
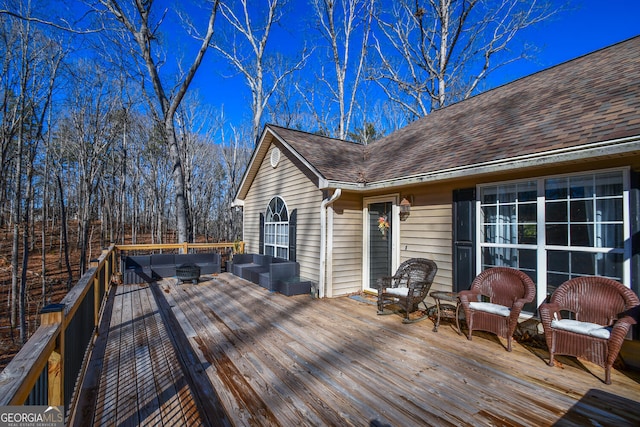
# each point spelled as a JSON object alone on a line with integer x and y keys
{"x": 286, "y": 223}
{"x": 541, "y": 247}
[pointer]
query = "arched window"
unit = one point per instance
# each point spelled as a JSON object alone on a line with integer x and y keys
{"x": 276, "y": 229}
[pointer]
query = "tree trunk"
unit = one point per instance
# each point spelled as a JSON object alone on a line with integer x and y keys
{"x": 15, "y": 218}
{"x": 26, "y": 233}
{"x": 182, "y": 203}
{"x": 63, "y": 232}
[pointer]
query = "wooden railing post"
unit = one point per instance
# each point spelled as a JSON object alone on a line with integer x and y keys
{"x": 50, "y": 315}
{"x": 96, "y": 290}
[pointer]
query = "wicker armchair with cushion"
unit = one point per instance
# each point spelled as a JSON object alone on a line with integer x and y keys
{"x": 587, "y": 317}
{"x": 495, "y": 301}
{"x": 408, "y": 287}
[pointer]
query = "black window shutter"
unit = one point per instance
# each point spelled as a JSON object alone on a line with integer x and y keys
{"x": 464, "y": 231}
{"x": 261, "y": 242}
{"x": 292, "y": 234}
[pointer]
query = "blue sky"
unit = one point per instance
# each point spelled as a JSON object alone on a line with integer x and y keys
{"x": 586, "y": 26}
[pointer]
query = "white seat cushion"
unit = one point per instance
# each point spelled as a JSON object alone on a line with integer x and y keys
{"x": 489, "y": 307}
{"x": 585, "y": 328}
{"x": 401, "y": 292}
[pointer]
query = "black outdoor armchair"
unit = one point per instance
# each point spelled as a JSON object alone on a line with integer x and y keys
{"x": 408, "y": 287}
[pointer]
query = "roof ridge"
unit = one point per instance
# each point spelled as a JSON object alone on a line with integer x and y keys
{"x": 318, "y": 135}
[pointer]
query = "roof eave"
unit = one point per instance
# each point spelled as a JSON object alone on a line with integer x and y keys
{"x": 581, "y": 152}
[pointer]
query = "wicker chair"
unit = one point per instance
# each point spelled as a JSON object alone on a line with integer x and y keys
{"x": 597, "y": 324}
{"x": 495, "y": 300}
{"x": 408, "y": 287}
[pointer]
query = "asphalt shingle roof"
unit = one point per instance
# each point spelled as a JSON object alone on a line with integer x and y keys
{"x": 335, "y": 159}
{"x": 590, "y": 99}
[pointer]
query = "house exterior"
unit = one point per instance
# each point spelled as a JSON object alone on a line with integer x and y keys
{"x": 539, "y": 174}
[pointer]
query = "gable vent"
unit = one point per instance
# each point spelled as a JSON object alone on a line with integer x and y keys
{"x": 275, "y": 157}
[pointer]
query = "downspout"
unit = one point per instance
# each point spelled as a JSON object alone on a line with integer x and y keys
{"x": 323, "y": 240}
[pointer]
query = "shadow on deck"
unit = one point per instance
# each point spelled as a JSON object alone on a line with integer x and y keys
{"x": 227, "y": 352}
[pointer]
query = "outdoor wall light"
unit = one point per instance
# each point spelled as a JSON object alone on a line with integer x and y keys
{"x": 405, "y": 208}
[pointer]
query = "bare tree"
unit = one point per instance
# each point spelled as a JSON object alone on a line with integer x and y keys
{"x": 31, "y": 72}
{"x": 435, "y": 52}
{"x": 343, "y": 22}
{"x": 138, "y": 22}
{"x": 86, "y": 135}
{"x": 246, "y": 50}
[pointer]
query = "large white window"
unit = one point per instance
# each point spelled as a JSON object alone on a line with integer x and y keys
{"x": 276, "y": 229}
{"x": 556, "y": 228}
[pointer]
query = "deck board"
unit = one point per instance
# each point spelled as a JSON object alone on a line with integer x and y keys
{"x": 228, "y": 352}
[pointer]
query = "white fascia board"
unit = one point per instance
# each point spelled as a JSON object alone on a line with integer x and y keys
{"x": 580, "y": 152}
{"x": 353, "y": 186}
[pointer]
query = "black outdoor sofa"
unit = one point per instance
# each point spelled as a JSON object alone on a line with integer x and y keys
{"x": 148, "y": 268}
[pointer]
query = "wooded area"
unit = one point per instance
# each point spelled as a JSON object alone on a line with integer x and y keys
{"x": 103, "y": 139}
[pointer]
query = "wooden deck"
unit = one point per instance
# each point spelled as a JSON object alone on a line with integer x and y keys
{"x": 227, "y": 352}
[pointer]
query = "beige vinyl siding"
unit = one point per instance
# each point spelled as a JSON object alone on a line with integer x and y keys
{"x": 347, "y": 246}
{"x": 298, "y": 192}
{"x": 427, "y": 233}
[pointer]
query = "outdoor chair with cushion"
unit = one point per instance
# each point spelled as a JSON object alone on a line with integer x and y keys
{"x": 495, "y": 300}
{"x": 408, "y": 287}
{"x": 588, "y": 317}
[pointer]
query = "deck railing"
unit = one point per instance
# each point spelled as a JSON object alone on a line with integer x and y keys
{"x": 49, "y": 366}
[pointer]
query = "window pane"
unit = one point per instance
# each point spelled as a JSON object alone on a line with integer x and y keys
{"x": 609, "y": 209}
{"x": 610, "y": 265}
{"x": 269, "y": 234}
{"x": 507, "y": 213}
{"x": 556, "y": 189}
{"x": 528, "y": 259}
{"x": 283, "y": 234}
{"x": 283, "y": 253}
{"x": 558, "y": 261}
{"x": 489, "y": 195}
{"x": 581, "y": 235}
{"x": 527, "y": 234}
{"x": 556, "y": 211}
{"x": 507, "y": 194}
{"x": 507, "y": 257}
{"x": 489, "y": 234}
{"x": 271, "y": 209}
{"x": 527, "y": 212}
{"x": 581, "y": 211}
{"x": 581, "y": 187}
{"x": 609, "y": 236}
{"x": 609, "y": 184}
{"x": 490, "y": 213}
{"x": 507, "y": 234}
{"x": 583, "y": 263}
{"x": 528, "y": 192}
{"x": 522, "y": 259}
{"x": 557, "y": 234}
